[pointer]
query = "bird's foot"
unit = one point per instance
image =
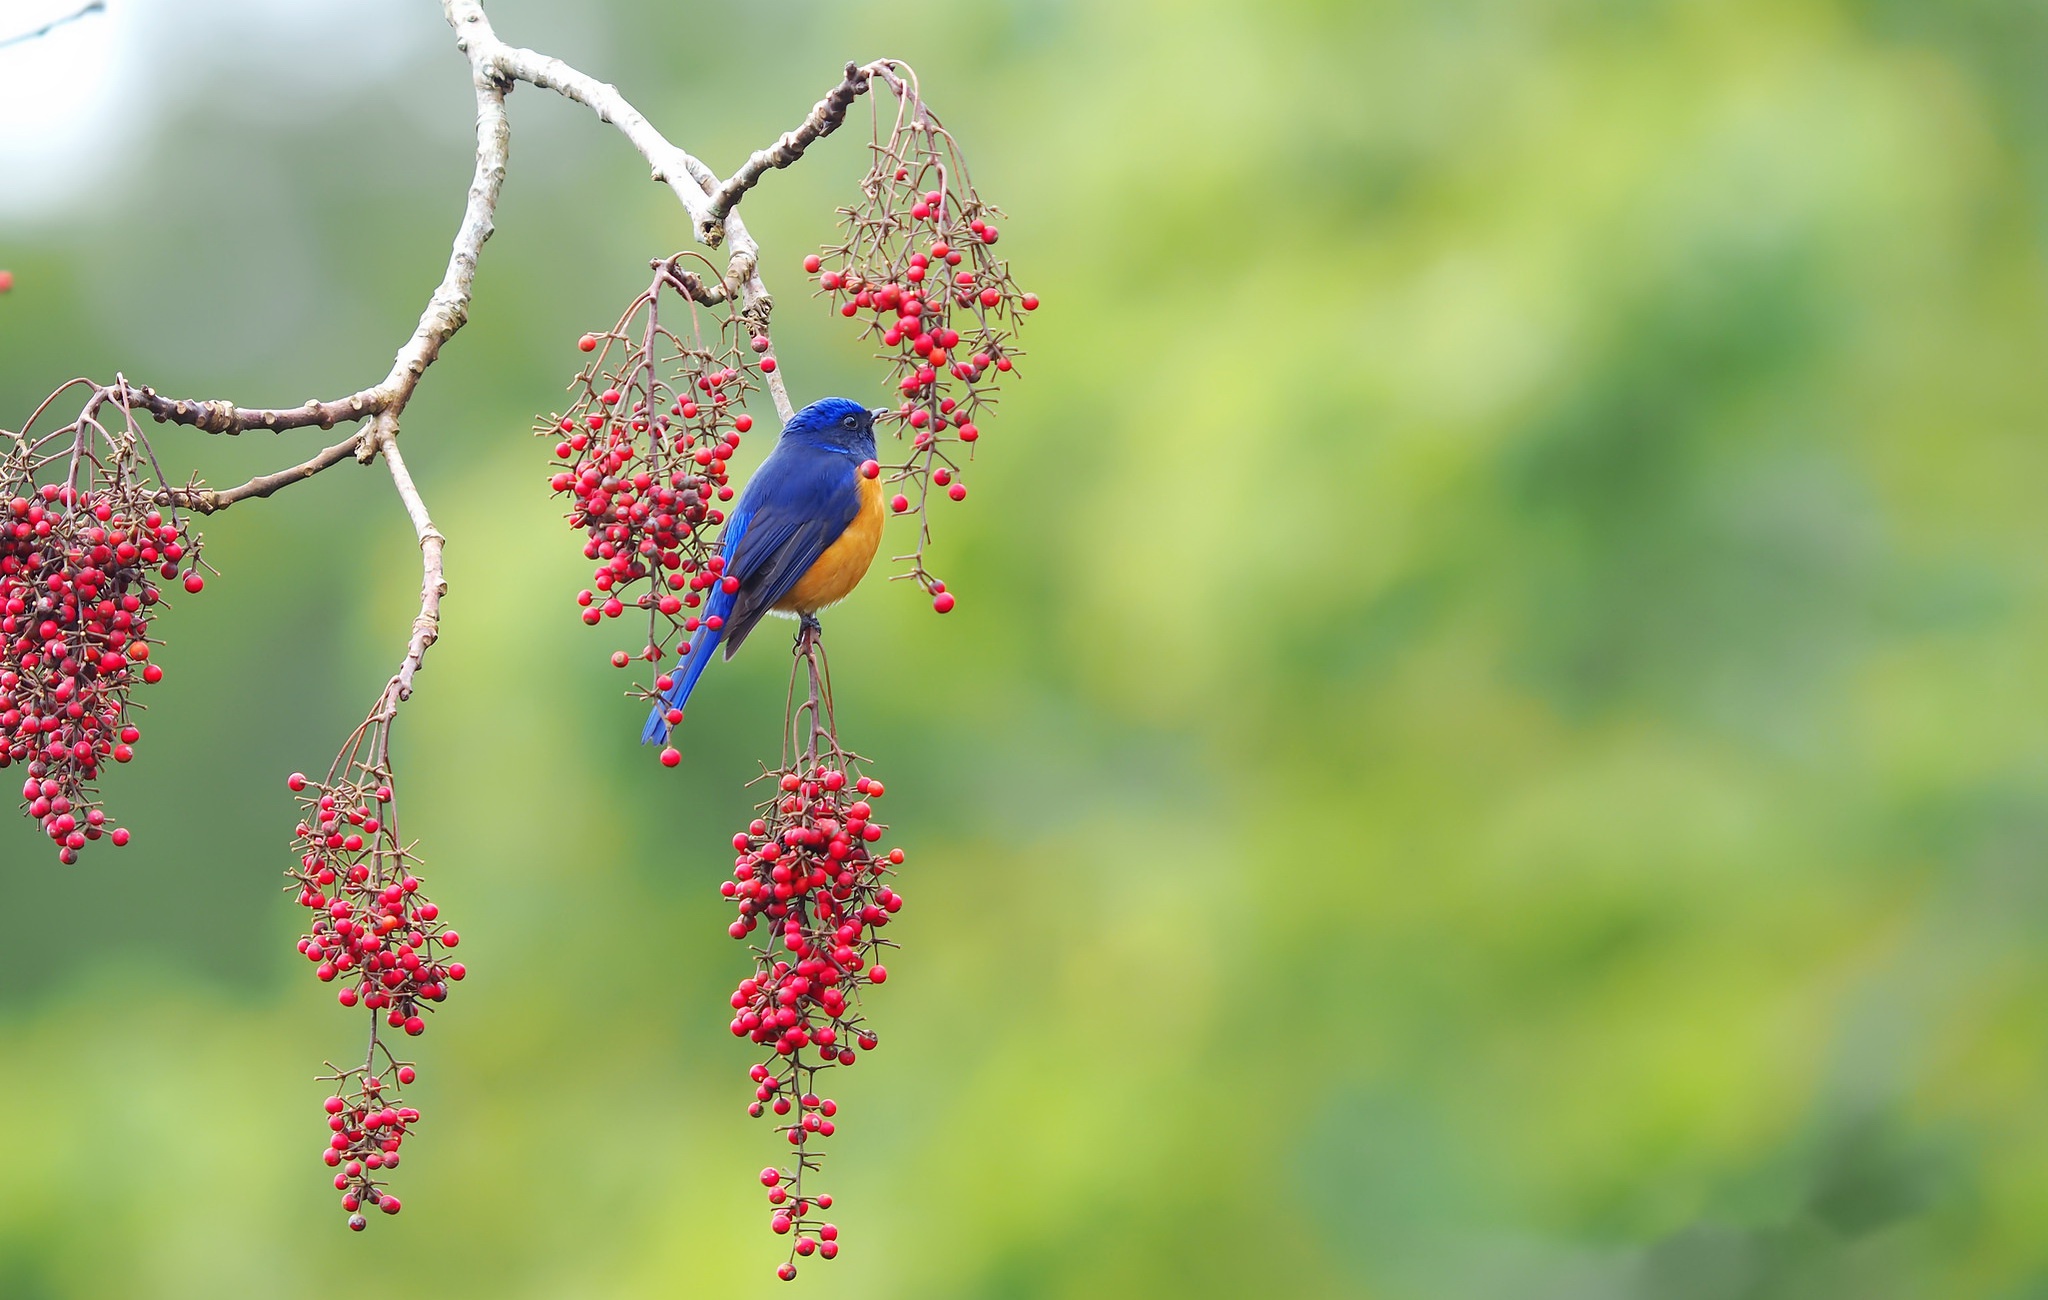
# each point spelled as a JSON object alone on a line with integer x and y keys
{"x": 808, "y": 632}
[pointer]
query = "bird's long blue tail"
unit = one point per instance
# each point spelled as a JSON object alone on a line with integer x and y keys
{"x": 686, "y": 675}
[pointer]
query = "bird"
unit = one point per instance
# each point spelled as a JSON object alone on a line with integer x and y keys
{"x": 802, "y": 537}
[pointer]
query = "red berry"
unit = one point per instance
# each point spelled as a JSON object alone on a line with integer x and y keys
{"x": 943, "y": 603}
{"x": 588, "y": 343}
{"x": 899, "y": 503}
{"x": 670, "y": 757}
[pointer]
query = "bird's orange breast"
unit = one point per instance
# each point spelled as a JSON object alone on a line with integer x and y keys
{"x": 845, "y": 562}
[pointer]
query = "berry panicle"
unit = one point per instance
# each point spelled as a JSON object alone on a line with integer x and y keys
{"x": 376, "y": 934}
{"x": 811, "y": 868}
{"x": 89, "y": 543}
{"x": 916, "y": 268}
{"x": 641, "y": 455}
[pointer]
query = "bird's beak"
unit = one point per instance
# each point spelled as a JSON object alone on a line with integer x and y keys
{"x": 880, "y": 412}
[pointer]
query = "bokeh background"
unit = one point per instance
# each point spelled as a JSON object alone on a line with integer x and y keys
{"x": 1492, "y": 745}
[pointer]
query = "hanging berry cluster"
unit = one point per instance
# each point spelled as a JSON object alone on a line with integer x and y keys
{"x": 642, "y": 453}
{"x": 917, "y": 268}
{"x": 375, "y": 933}
{"x": 810, "y": 866}
{"x": 84, "y": 554}
{"x": 368, "y": 1131}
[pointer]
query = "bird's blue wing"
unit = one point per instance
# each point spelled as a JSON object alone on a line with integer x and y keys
{"x": 796, "y": 505}
{"x": 809, "y": 501}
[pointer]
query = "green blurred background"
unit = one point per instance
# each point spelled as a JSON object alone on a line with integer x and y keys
{"x": 1492, "y": 745}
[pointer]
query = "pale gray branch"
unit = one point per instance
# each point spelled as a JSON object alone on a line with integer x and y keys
{"x": 693, "y": 183}
{"x": 426, "y": 629}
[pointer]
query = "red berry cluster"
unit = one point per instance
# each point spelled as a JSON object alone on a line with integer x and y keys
{"x": 809, "y": 865}
{"x": 368, "y": 1131}
{"x": 918, "y": 269}
{"x": 81, "y": 563}
{"x": 377, "y": 934}
{"x": 372, "y": 927}
{"x": 642, "y": 453}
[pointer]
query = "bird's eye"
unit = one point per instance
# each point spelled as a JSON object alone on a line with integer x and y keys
{"x": 849, "y": 422}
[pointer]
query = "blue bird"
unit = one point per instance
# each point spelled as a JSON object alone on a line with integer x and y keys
{"x": 801, "y": 538}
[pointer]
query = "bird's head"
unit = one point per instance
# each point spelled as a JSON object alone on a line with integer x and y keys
{"x": 837, "y": 424}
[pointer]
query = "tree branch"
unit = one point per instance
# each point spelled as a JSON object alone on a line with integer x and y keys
{"x": 227, "y": 418}
{"x": 448, "y": 309}
{"x": 690, "y": 180}
{"x": 426, "y": 629}
{"x": 90, "y": 7}
{"x": 823, "y": 119}
{"x": 207, "y": 501}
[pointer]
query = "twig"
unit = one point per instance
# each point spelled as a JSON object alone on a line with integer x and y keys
{"x": 823, "y": 119}
{"x": 206, "y": 501}
{"x": 91, "y": 7}
{"x": 426, "y": 628}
